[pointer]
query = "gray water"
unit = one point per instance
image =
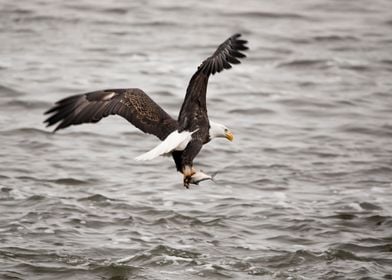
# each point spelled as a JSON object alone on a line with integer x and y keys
{"x": 304, "y": 191}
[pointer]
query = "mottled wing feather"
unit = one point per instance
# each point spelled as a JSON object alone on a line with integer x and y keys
{"x": 228, "y": 53}
{"x": 132, "y": 104}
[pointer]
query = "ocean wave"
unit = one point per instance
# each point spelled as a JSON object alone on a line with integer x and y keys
{"x": 270, "y": 15}
{"x": 9, "y": 92}
{"x": 26, "y": 131}
{"x": 161, "y": 255}
{"x": 27, "y": 104}
{"x": 97, "y": 198}
{"x": 71, "y": 181}
{"x": 335, "y": 38}
{"x": 307, "y": 64}
{"x": 252, "y": 111}
{"x": 365, "y": 130}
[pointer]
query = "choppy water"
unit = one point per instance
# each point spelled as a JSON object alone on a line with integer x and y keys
{"x": 303, "y": 193}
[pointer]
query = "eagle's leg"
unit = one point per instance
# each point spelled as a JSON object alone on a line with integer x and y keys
{"x": 190, "y": 152}
{"x": 188, "y": 171}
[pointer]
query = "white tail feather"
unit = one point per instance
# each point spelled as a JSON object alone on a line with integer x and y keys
{"x": 175, "y": 141}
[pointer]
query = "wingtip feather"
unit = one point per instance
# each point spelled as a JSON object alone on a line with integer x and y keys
{"x": 229, "y": 52}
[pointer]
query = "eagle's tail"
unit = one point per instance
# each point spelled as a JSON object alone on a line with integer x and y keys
{"x": 175, "y": 141}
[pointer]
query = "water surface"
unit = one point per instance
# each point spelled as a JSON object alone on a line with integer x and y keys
{"x": 304, "y": 192}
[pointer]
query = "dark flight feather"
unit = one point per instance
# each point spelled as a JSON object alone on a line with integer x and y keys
{"x": 132, "y": 104}
{"x": 194, "y": 103}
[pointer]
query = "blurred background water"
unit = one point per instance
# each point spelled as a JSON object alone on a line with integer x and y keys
{"x": 304, "y": 192}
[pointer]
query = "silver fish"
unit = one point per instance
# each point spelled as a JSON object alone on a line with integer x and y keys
{"x": 200, "y": 176}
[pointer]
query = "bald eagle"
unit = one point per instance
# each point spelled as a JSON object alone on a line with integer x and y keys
{"x": 182, "y": 138}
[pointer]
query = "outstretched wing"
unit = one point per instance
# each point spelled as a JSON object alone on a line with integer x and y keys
{"x": 227, "y": 53}
{"x": 132, "y": 104}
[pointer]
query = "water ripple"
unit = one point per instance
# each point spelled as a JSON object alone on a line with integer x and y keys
{"x": 302, "y": 193}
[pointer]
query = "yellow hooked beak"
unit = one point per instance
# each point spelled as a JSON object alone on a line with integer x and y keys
{"x": 229, "y": 136}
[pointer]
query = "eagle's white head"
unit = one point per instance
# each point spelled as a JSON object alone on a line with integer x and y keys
{"x": 220, "y": 130}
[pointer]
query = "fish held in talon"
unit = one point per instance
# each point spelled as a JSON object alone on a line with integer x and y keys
{"x": 200, "y": 176}
{"x": 182, "y": 138}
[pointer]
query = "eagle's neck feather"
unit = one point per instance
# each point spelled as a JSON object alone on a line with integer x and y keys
{"x": 216, "y": 130}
